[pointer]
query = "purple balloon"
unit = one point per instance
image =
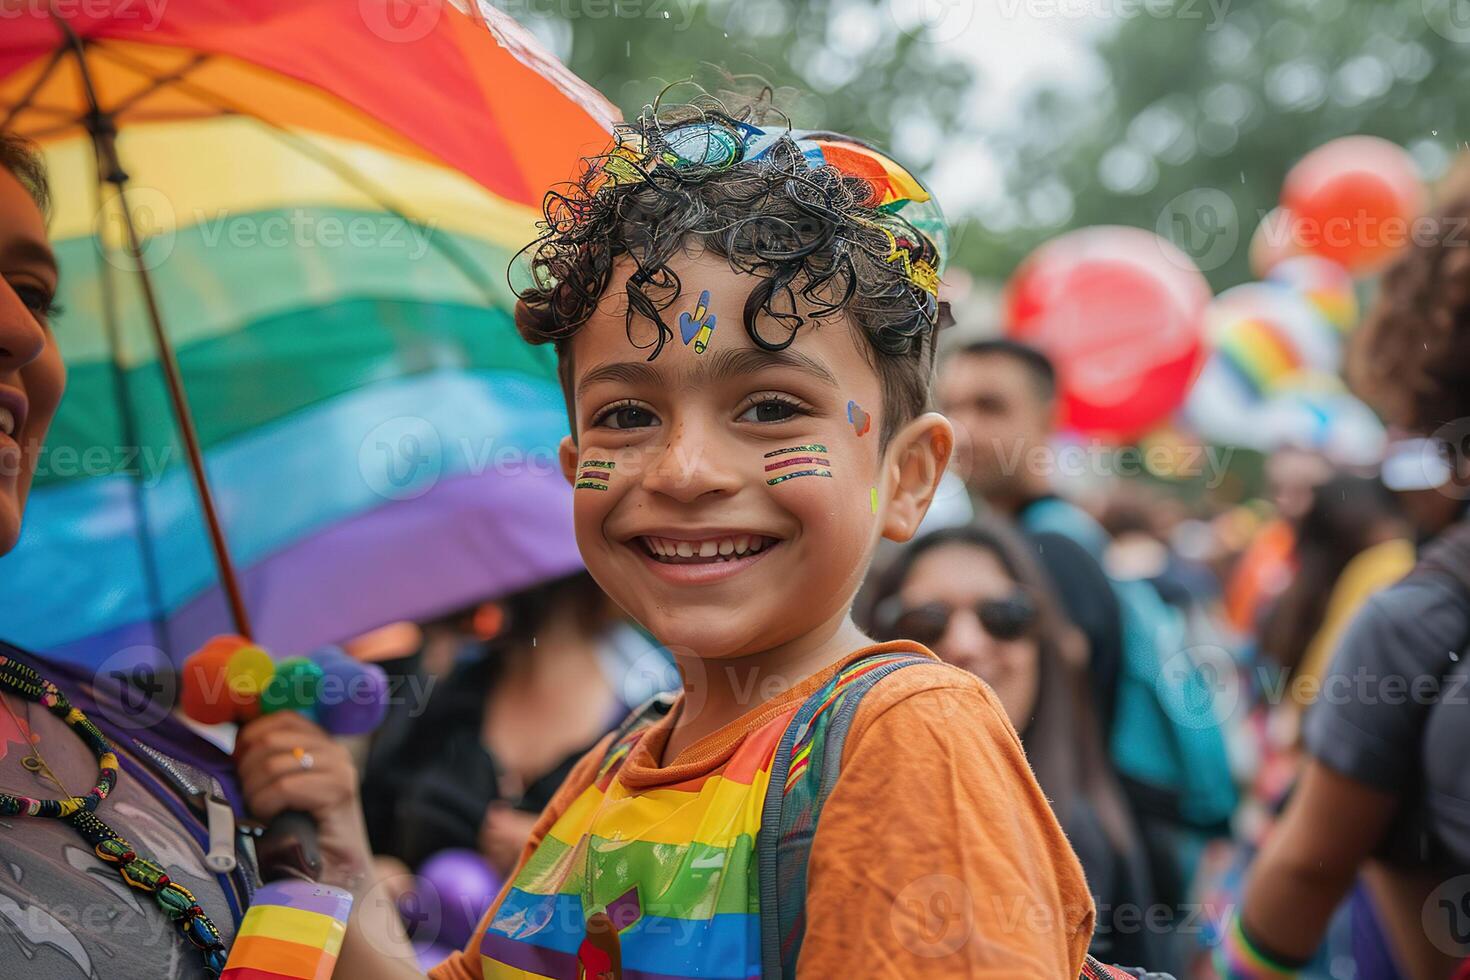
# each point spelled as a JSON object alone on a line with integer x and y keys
{"x": 464, "y": 885}
{"x": 353, "y": 695}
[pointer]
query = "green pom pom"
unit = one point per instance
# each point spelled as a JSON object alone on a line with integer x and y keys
{"x": 294, "y": 686}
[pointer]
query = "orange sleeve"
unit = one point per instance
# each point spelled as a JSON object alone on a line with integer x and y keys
{"x": 465, "y": 965}
{"x": 936, "y": 854}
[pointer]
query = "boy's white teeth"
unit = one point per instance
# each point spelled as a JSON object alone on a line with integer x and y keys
{"x": 731, "y": 547}
{"x": 7, "y": 421}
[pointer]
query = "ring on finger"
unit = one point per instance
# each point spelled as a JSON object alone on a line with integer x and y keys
{"x": 303, "y": 757}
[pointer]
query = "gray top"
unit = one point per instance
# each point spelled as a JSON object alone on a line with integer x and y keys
{"x": 1394, "y": 713}
{"x": 65, "y": 915}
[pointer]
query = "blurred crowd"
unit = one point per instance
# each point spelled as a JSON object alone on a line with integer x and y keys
{"x": 1186, "y": 676}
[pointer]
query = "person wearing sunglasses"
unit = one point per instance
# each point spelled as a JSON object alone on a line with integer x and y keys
{"x": 973, "y": 595}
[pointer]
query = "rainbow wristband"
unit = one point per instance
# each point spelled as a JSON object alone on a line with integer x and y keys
{"x": 1238, "y": 958}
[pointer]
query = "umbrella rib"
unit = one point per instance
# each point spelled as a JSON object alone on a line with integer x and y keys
{"x": 34, "y": 90}
{"x": 451, "y": 252}
{"x": 158, "y": 82}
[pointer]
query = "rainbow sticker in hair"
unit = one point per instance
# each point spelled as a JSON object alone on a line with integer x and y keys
{"x": 594, "y": 474}
{"x": 811, "y": 456}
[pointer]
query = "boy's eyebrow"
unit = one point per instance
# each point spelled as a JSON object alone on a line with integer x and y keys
{"x": 732, "y": 363}
{"x": 629, "y": 372}
{"x": 721, "y": 366}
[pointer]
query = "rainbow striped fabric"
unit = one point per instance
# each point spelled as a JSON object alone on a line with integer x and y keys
{"x": 671, "y": 870}
{"x": 328, "y": 215}
{"x": 672, "y": 867}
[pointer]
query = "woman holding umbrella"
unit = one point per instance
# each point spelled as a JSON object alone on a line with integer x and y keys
{"x": 106, "y": 861}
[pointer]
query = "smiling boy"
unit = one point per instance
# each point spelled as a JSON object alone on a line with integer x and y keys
{"x": 744, "y": 319}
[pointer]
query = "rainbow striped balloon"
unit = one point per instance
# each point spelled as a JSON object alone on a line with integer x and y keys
{"x": 331, "y": 198}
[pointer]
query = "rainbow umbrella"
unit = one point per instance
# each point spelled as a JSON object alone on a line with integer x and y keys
{"x": 284, "y": 227}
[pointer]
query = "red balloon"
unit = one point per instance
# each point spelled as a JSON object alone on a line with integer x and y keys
{"x": 1120, "y": 313}
{"x": 1354, "y": 200}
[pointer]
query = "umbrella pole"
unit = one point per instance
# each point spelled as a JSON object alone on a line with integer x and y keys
{"x": 104, "y": 138}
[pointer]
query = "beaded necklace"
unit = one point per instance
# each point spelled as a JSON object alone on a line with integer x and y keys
{"x": 176, "y": 901}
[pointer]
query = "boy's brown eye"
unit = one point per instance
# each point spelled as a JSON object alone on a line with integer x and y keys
{"x": 770, "y": 410}
{"x": 627, "y": 417}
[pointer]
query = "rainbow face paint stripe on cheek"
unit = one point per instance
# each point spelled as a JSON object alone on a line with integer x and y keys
{"x": 594, "y": 474}
{"x": 811, "y": 455}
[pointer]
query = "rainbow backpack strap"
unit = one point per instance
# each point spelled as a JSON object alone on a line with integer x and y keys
{"x": 803, "y": 772}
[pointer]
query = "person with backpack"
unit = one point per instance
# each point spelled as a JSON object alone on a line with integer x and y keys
{"x": 744, "y": 320}
{"x": 1381, "y": 814}
{"x": 122, "y": 842}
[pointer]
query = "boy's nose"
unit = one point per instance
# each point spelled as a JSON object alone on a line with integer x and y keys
{"x": 693, "y": 463}
{"x": 22, "y": 338}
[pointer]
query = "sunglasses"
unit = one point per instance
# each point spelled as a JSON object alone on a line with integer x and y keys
{"x": 1009, "y": 618}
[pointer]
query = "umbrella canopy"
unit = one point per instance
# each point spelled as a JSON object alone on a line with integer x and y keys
{"x": 329, "y": 197}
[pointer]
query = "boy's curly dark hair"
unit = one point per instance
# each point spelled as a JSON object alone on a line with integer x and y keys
{"x": 810, "y": 236}
{"x": 1411, "y": 356}
{"x": 21, "y": 158}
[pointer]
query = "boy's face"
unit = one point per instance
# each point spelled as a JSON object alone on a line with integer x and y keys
{"x": 739, "y": 511}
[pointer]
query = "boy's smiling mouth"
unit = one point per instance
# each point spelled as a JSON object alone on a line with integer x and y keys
{"x": 705, "y": 550}
{"x": 699, "y": 557}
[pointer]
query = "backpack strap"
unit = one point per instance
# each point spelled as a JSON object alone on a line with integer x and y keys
{"x": 628, "y": 733}
{"x": 803, "y": 773}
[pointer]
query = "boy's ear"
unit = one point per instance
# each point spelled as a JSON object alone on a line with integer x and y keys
{"x": 914, "y": 461}
{"x": 567, "y": 452}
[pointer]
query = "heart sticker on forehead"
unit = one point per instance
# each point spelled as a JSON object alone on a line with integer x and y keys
{"x": 861, "y": 420}
{"x": 698, "y": 326}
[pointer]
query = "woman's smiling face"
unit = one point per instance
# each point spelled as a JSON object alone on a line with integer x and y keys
{"x": 739, "y": 513}
{"x": 31, "y": 372}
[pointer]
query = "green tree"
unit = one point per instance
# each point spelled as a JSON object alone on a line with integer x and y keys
{"x": 1200, "y": 116}
{"x": 842, "y": 64}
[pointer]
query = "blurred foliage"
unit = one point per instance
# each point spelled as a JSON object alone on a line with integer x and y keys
{"x": 1201, "y": 106}
{"x": 839, "y": 64}
{"x": 1202, "y": 115}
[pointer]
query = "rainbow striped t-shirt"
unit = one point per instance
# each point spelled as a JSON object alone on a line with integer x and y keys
{"x": 671, "y": 868}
